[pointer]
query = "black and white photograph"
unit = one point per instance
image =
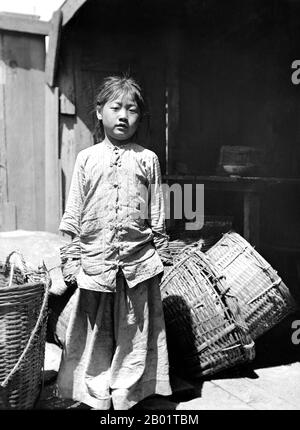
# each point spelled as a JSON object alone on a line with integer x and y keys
{"x": 149, "y": 208}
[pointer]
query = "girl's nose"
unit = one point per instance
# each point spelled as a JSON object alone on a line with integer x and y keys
{"x": 123, "y": 114}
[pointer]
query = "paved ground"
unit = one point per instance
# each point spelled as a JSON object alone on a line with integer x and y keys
{"x": 270, "y": 382}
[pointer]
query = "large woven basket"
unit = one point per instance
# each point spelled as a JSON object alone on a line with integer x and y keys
{"x": 23, "y": 318}
{"x": 205, "y": 331}
{"x": 179, "y": 247}
{"x": 263, "y": 297}
{"x": 182, "y": 240}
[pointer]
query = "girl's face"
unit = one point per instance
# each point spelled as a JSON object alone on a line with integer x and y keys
{"x": 120, "y": 118}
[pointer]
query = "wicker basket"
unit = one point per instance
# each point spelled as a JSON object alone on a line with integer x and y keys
{"x": 179, "y": 247}
{"x": 182, "y": 240}
{"x": 23, "y": 318}
{"x": 205, "y": 331}
{"x": 263, "y": 297}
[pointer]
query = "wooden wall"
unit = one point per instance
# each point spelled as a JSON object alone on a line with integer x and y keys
{"x": 22, "y": 184}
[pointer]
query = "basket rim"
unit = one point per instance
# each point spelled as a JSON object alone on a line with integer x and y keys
{"x": 23, "y": 287}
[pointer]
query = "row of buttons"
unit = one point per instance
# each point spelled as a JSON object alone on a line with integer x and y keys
{"x": 118, "y": 246}
{"x": 116, "y": 163}
{"x": 117, "y": 227}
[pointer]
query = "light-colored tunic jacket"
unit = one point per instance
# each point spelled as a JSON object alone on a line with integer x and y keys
{"x": 116, "y": 208}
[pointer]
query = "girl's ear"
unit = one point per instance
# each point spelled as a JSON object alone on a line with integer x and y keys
{"x": 98, "y": 113}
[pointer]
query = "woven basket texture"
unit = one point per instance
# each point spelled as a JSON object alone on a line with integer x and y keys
{"x": 23, "y": 319}
{"x": 205, "y": 331}
{"x": 178, "y": 247}
{"x": 182, "y": 240}
{"x": 263, "y": 297}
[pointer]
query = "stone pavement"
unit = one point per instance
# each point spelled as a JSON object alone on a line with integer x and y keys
{"x": 270, "y": 382}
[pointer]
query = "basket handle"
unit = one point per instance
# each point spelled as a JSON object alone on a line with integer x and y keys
{"x": 12, "y": 264}
{"x": 24, "y": 266}
{"x": 30, "y": 340}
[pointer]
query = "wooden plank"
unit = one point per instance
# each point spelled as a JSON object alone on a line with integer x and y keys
{"x": 66, "y": 78}
{"x": 23, "y": 24}
{"x": 152, "y": 76}
{"x": 216, "y": 183}
{"x": 85, "y": 95}
{"x": 24, "y": 98}
{"x": 38, "y": 135}
{"x": 8, "y": 216}
{"x": 66, "y": 107}
{"x": 69, "y": 8}
{"x": 257, "y": 181}
{"x": 59, "y": 189}
{"x": 52, "y": 185}
{"x": 83, "y": 136}
{"x": 53, "y": 47}
{"x": 67, "y": 154}
{"x": 3, "y": 141}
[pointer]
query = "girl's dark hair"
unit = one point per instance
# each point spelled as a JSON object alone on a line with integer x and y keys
{"x": 111, "y": 88}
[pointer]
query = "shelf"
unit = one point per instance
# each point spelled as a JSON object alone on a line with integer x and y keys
{"x": 233, "y": 183}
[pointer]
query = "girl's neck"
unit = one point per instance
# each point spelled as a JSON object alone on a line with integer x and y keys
{"x": 116, "y": 142}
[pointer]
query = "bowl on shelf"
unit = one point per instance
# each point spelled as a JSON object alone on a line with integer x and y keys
{"x": 239, "y": 160}
{"x": 240, "y": 170}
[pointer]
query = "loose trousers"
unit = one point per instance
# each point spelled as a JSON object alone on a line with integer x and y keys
{"x": 115, "y": 351}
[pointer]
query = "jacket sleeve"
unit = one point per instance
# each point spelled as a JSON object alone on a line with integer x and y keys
{"x": 71, "y": 219}
{"x": 156, "y": 213}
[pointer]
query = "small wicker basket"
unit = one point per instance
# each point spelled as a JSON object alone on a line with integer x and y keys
{"x": 263, "y": 297}
{"x": 205, "y": 331}
{"x": 23, "y": 319}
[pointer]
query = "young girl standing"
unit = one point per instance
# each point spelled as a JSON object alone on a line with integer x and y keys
{"x": 115, "y": 353}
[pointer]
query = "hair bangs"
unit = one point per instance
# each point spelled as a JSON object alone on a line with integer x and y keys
{"x": 114, "y": 87}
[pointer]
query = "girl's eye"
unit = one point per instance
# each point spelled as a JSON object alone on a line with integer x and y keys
{"x": 114, "y": 107}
